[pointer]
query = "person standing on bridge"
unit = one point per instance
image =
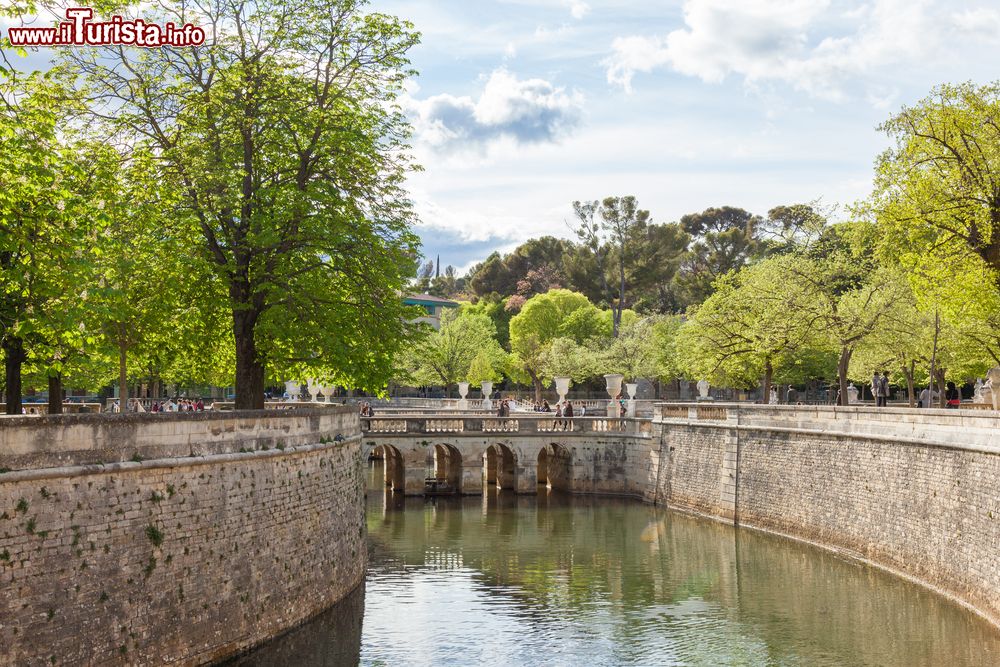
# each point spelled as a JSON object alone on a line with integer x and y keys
{"x": 568, "y": 413}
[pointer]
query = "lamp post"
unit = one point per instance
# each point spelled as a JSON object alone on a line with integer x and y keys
{"x": 614, "y": 381}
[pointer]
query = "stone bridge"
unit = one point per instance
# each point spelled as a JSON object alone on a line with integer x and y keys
{"x": 467, "y": 453}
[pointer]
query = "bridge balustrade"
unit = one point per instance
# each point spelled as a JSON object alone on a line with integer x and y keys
{"x": 522, "y": 424}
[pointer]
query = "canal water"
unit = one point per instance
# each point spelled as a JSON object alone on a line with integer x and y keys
{"x": 581, "y": 581}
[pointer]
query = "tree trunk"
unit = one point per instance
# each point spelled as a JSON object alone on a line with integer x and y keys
{"x": 908, "y": 372}
{"x": 930, "y": 379}
{"x": 537, "y": 383}
{"x": 14, "y": 355}
{"x": 55, "y": 394}
{"x": 616, "y": 327}
{"x": 122, "y": 377}
{"x": 766, "y": 383}
{"x": 842, "y": 365}
{"x": 249, "y": 369}
{"x": 942, "y": 385}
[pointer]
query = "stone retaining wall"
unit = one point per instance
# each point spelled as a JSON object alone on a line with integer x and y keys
{"x": 177, "y": 560}
{"x": 913, "y": 502}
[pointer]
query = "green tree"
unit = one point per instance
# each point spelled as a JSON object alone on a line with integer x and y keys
{"x": 937, "y": 189}
{"x": 41, "y": 215}
{"x": 485, "y": 367}
{"x": 283, "y": 136}
{"x": 611, "y": 243}
{"x": 723, "y": 239}
{"x": 543, "y": 318}
{"x": 752, "y": 326}
{"x": 445, "y": 357}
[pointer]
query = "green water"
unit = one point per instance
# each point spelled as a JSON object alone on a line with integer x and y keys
{"x": 556, "y": 580}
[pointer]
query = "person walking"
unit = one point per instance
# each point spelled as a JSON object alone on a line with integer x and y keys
{"x": 885, "y": 389}
{"x": 877, "y": 389}
{"x": 568, "y": 413}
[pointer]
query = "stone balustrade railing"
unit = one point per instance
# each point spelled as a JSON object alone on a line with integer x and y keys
{"x": 964, "y": 428}
{"x": 521, "y": 424}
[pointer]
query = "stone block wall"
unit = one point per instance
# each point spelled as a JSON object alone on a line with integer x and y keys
{"x": 177, "y": 561}
{"x": 927, "y": 511}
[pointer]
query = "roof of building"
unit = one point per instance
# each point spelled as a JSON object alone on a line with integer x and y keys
{"x": 428, "y": 298}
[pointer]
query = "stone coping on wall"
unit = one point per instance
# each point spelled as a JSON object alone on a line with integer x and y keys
{"x": 68, "y": 440}
{"x": 153, "y": 464}
{"x": 973, "y": 430}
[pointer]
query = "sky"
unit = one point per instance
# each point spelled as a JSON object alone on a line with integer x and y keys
{"x": 523, "y": 106}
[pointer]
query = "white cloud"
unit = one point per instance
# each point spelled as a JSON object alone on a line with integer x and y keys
{"x": 577, "y": 8}
{"x": 980, "y": 21}
{"x": 527, "y": 111}
{"x": 798, "y": 42}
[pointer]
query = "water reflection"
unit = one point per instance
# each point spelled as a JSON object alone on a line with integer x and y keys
{"x": 555, "y": 580}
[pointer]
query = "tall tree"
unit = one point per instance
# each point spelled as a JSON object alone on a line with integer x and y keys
{"x": 723, "y": 239}
{"x": 445, "y": 357}
{"x": 544, "y": 318}
{"x": 283, "y": 134}
{"x": 751, "y": 328}
{"x": 41, "y": 213}
{"x": 937, "y": 189}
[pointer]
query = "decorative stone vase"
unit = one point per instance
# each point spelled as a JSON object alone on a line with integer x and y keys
{"x": 614, "y": 381}
{"x": 314, "y": 388}
{"x": 328, "y": 391}
{"x": 562, "y": 387}
{"x": 703, "y": 387}
{"x": 463, "y": 391}
{"x": 631, "y": 388}
{"x": 852, "y": 395}
{"x": 292, "y": 388}
{"x": 487, "y": 388}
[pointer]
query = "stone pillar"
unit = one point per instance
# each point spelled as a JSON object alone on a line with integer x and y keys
{"x": 527, "y": 476}
{"x": 490, "y": 467}
{"x": 472, "y": 475}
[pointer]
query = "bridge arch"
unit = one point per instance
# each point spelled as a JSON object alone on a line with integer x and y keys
{"x": 393, "y": 466}
{"x": 555, "y": 467}
{"x": 446, "y": 466}
{"x": 500, "y": 467}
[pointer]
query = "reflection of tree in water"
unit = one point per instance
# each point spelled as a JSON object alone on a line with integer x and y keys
{"x": 632, "y": 569}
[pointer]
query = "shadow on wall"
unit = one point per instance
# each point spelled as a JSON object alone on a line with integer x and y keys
{"x": 332, "y": 638}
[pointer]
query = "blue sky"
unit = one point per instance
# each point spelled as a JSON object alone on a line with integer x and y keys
{"x": 523, "y": 106}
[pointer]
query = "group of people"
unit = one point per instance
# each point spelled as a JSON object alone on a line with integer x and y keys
{"x": 182, "y": 405}
{"x": 169, "y": 405}
{"x": 366, "y": 410}
{"x": 880, "y": 390}
{"x": 503, "y": 408}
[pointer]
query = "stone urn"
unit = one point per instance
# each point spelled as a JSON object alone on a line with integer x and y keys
{"x": 562, "y": 387}
{"x": 614, "y": 381}
{"x": 852, "y": 395}
{"x": 631, "y": 389}
{"x": 703, "y": 387}
{"x": 292, "y": 389}
{"x": 328, "y": 391}
{"x": 487, "y": 387}
{"x": 463, "y": 391}
{"x": 314, "y": 388}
